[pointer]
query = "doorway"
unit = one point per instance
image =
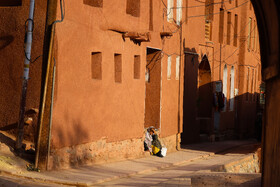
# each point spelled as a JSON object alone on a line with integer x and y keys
{"x": 205, "y": 96}
{"x": 153, "y": 88}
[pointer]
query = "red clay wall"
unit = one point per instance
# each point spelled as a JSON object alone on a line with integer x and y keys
{"x": 87, "y": 109}
{"x": 12, "y": 32}
{"x": 90, "y": 110}
{"x": 242, "y": 118}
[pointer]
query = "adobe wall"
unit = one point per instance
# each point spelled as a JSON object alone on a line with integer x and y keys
{"x": 88, "y": 111}
{"x": 241, "y": 118}
{"x": 12, "y": 57}
{"x": 103, "y": 151}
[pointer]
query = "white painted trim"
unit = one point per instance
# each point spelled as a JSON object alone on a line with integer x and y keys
{"x": 177, "y": 67}
{"x": 225, "y": 79}
{"x": 169, "y": 67}
{"x": 169, "y": 10}
{"x": 231, "y": 97}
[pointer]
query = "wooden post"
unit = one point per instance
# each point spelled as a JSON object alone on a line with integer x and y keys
{"x": 46, "y": 92}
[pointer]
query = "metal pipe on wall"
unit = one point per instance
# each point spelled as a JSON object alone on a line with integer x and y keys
{"x": 28, "y": 46}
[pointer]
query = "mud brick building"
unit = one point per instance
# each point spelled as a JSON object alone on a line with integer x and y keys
{"x": 125, "y": 65}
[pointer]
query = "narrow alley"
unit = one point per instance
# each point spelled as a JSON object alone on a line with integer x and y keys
{"x": 140, "y": 93}
{"x": 214, "y": 164}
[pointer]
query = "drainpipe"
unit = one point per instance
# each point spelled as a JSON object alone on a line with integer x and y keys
{"x": 28, "y": 45}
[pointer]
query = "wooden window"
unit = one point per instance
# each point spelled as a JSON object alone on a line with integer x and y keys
{"x": 249, "y": 34}
{"x": 170, "y": 7}
{"x": 151, "y": 15}
{"x": 228, "y": 27}
{"x": 236, "y": 3}
{"x": 94, "y": 3}
{"x": 235, "y": 30}
{"x": 169, "y": 61}
{"x": 137, "y": 66}
{"x": 209, "y": 8}
{"x": 96, "y": 65}
{"x": 221, "y": 26}
{"x": 133, "y": 7}
{"x": 208, "y": 30}
{"x": 118, "y": 67}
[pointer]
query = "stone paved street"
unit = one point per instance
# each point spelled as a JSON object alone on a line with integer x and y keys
{"x": 196, "y": 165}
{"x": 197, "y": 173}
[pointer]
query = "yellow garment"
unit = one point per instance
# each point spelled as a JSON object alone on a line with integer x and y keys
{"x": 155, "y": 150}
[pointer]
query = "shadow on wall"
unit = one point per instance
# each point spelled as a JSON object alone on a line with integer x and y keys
{"x": 13, "y": 15}
{"x": 237, "y": 119}
{"x": 5, "y": 41}
{"x": 75, "y": 133}
{"x": 190, "y": 92}
{"x": 30, "y": 126}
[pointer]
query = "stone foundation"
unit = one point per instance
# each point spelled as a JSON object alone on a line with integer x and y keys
{"x": 103, "y": 152}
{"x": 170, "y": 143}
{"x": 249, "y": 164}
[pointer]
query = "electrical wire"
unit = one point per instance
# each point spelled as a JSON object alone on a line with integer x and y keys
{"x": 203, "y": 15}
{"x": 196, "y": 6}
{"x": 62, "y": 8}
{"x": 225, "y": 45}
{"x": 25, "y": 38}
{"x": 234, "y": 53}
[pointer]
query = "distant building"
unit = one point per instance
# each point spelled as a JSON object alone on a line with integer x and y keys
{"x": 122, "y": 66}
{"x": 226, "y": 41}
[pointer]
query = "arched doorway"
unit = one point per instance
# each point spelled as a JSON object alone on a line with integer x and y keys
{"x": 205, "y": 96}
{"x": 268, "y": 17}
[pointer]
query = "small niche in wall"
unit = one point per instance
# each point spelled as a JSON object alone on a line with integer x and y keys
{"x": 137, "y": 66}
{"x": 94, "y": 3}
{"x": 118, "y": 67}
{"x": 96, "y": 65}
{"x": 7, "y": 3}
{"x": 133, "y": 7}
